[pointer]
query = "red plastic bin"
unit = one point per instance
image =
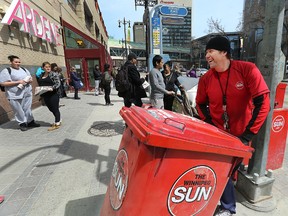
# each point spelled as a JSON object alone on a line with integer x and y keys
{"x": 170, "y": 164}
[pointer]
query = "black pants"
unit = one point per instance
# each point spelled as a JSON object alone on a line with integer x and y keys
{"x": 168, "y": 102}
{"x": 107, "y": 90}
{"x": 75, "y": 93}
{"x": 62, "y": 90}
{"x": 52, "y": 102}
{"x": 136, "y": 101}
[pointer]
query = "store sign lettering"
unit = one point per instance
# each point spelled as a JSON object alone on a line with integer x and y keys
{"x": 119, "y": 180}
{"x": 31, "y": 22}
{"x": 190, "y": 195}
{"x": 192, "y": 191}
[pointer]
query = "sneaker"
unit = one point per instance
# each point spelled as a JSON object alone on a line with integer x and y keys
{"x": 77, "y": 98}
{"x": 23, "y": 127}
{"x": 223, "y": 212}
{"x": 33, "y": 124}
{"x": 53, "y": 127}
{"x": 111, "y": 104}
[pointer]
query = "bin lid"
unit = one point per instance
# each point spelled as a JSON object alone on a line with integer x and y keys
{"x": 166, "y": 129}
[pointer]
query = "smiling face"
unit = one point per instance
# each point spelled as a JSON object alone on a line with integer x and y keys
{"x": 15, "y": 63}
{"x": 215, "y": 58}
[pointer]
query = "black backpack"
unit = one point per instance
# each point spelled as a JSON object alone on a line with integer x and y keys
{"x": 9, "y": 71}
{"x": 122, "y": 83}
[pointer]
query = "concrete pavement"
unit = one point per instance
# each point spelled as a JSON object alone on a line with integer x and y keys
{"x": 66, "y": 171}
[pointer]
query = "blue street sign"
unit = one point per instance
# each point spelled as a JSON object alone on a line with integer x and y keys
{"x": 173, "y": 11}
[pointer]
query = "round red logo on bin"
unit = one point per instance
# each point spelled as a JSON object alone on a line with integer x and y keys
{"x": 119, "y": 180}
{"x": 192, "y": 191}
{"x": 278, "y": 123}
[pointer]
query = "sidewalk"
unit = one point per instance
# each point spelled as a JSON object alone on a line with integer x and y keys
{"x": 66, "y": 172}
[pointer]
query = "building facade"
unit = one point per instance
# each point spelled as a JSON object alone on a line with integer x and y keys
{"x": 139, "y": 32}
{"x": 117, "y": 51}
{"x": 176, "y": 31}
{"x": 67, "y": 32}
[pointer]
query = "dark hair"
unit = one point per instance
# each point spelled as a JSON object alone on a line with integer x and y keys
{"x": 168, "y": 63}
{"x": 156, "y": 59}
{"x": 12, "y": 57}
{"x": 131, "y": 56}
{"x": 45, "y": 63}
{"x": 53, "y": 65}
{"x": 106, "y": 67}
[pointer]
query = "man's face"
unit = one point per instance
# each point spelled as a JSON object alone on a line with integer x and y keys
{"x": 134, "y": 61}
{"x": 160, "y": 64}
{"x": 215, "y": 57}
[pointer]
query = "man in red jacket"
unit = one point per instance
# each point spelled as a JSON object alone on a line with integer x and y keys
{"x": 234, "y": 97}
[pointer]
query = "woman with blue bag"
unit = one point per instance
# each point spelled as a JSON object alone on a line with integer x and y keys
{"x": 75, "y": 82}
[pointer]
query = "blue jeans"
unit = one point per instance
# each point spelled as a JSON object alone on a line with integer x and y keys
{"x": 228, "y": 200}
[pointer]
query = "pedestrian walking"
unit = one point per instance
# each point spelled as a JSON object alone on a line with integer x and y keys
{"x": 157, "y": 84}
{"x": 106, "y": 83}
{"x": 170, "y": 80}
{"x": 135, "y": 94}
{"x": 75, "y": 82}
{"x": 51, "y": 97}
{"x": 58, "y": 70}
{"x": 234, "y": 97}
{"x": 16, "y": 81}
{"x": 97, "y": 77}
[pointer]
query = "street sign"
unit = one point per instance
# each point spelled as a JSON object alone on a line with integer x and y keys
{"x": 173, "y": 11}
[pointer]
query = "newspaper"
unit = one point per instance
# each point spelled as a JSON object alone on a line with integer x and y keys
{"x": 145, "y": 84}
{"x": 39, "y": 90}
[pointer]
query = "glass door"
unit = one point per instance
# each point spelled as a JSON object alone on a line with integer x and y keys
{"x": 90, "y": 67}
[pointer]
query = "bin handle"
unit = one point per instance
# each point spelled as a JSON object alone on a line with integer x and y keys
{"x": 176, "y": 124}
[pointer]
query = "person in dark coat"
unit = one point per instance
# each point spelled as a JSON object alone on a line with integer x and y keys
{"x": 107, "y": 78}
{"x": 170, "y": 80}
{"x": 137, "y": 91}
{"x": 76, "y": 82}
{"x": 97, "y": 77}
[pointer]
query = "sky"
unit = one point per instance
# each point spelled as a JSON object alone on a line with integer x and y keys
{"x": 228, "y": 12}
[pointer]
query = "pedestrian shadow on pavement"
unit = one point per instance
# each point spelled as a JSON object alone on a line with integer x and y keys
{"x": 72, "y": 150}
{"x": 89, "y": 206}
{"x": 14, "y": 125}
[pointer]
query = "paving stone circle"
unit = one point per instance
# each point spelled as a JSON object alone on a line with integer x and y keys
{"x": 107, "y": 129}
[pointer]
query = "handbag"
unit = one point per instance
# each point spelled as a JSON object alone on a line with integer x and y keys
{"x": 81, "y": 84}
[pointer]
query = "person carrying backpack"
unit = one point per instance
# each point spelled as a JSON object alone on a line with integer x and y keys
{"x": 18, "y": 90}
{"x": 106, "y": 83}
{"x": 135, "y": 91}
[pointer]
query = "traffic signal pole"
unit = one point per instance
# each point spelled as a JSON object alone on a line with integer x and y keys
{"x": 256, "y": 183}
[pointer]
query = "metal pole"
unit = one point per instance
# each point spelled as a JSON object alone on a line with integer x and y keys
{"x": 254, "y": 184}
{"x": 125, "y": 39}
{"x": 271, "y": 65}
{"x": 147, "y": 33}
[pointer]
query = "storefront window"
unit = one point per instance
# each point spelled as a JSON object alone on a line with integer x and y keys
{"x": 75, "y": 41}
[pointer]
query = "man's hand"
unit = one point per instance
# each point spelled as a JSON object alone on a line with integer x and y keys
{"x": 171, "y": 93}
